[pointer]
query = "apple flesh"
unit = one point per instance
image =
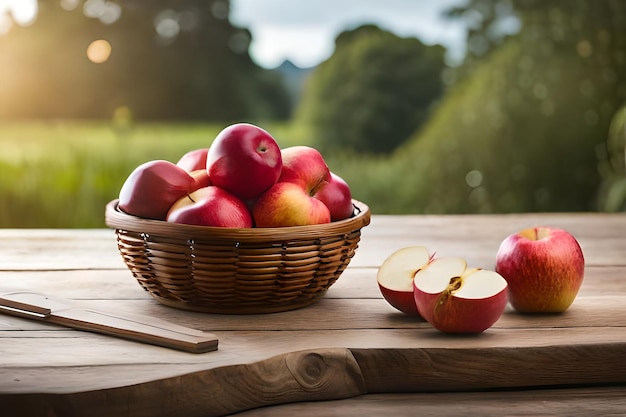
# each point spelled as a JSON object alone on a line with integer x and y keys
{"x": 152, "y": 188}
{"x": 210, "y": 206}
{"x": 457, "y": 299}
{"x": 395, "y": 277}
{"x": 193, "y": 160}
{"x": 544, "y": 267}
{"x": 337, "y": 197}
{"x": 244, "y": 160}
{"x": 288, "y": 204}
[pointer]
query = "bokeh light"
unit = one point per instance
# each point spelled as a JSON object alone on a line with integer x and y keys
{"x": 99, "y": 51}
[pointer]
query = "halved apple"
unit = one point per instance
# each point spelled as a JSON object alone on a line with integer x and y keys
{"x": 457, "y": 299}
{"x": 395, "y": 277}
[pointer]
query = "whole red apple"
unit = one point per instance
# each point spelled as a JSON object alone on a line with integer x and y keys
{"x": 306, "y": 167}
{"x": 152, "y": 188}
{"x": 193, "y": 160}
{"x": 457, "y": 299}
{"x": 337, "y": 197}
{"x": 395, "y": 277}
{"x": 210, "y": 206}
{"x": 544, "y": 267}
{"x": 244, "y": 160}
{"x": 288, "y": 204}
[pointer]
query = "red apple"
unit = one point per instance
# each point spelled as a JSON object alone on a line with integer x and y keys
{"x": 201, "y": 178}
{"x": 457, "y": 299}
{"x": 337, "y": 197}
{"x": 152, "y": 188}
{"x": 288, "y": 204}
{"x": 244, "y": 160}
{"x": 210, "y": 206}
{"x": 544, "y": 267}
{"x": 193, "y": 160}
{"x": 395, "y": 277}
{"x": 306, "y": 167}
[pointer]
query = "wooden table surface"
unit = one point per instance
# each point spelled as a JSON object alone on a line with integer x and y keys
{"x": 350, "y": 349}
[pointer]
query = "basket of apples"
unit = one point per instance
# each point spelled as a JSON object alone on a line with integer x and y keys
{"x": 240, "y": 227}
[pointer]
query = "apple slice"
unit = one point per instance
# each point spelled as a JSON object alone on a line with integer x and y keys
{"x": 395, "y": 277}
{"x": 457, "y": 299}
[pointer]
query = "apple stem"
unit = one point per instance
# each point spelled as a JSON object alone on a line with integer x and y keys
{"x": 192, "y": 200}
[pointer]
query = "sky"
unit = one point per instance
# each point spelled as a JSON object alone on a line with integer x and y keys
{"x": 304, "y": 32}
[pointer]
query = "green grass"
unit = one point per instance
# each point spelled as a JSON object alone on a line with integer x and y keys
{"x": 62, "y": 174}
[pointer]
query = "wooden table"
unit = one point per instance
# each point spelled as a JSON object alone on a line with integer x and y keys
{"x": 350, "y": 349}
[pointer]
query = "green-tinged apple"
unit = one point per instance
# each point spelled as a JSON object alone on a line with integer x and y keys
{"x": 193, "y": 160}
{"x": 337, "y": 197}
{"x": 244, "y": 160}
{"x": 395, "y": 277}
{"x": 152, "y": 188}
{"x": 544, "y": 267}
{"x": 201, "y": 178}
{"x": 210, "y": 206}
{"x": 288, "y": 204}
{"x": 457, "y": 299}
{"x": 306, "y": 167}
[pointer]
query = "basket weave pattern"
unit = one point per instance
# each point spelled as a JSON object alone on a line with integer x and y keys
{"x": 236, "y": 271}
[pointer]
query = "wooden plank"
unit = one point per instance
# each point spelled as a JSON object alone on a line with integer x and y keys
{"x": 481, "y": 252}
{"x": 277, "y": 358}
{"x": 107, "y": 361}
{"x": 58, "y": 249}
{"x": 573, "y": 402}
{"x": 355, "y": 282}
{"x": 600, "y": 234}
{"x": 334, "y": 373}
{"x": 39, "y": 307}
{"x": 340, "y": 314}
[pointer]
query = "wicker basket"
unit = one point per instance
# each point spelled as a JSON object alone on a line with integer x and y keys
{"x": 236, "y": 271}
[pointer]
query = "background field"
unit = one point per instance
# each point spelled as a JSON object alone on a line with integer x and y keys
{"x": 61, "y": 174}
{"x": 532, "y": 120}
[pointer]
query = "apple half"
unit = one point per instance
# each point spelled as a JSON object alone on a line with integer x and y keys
{"x": 457, "y": 299}
{"x": 395, "y": 277}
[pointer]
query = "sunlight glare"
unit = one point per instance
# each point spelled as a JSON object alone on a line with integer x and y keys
{"x": 24, "y": 12}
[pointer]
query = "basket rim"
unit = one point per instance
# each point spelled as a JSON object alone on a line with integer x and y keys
{"x": 117, "y": 219}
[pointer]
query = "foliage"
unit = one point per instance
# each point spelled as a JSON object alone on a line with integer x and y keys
{"x": 612, "y": 166}
{"x": 523, "y": 131}
{"x": 170, "y": 60}
{"x": 375, "y": 90}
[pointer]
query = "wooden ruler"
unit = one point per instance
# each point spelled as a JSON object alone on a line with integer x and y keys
{"x": 141, "y": 329}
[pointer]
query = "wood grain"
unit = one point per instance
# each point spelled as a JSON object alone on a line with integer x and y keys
{"x": 349, "y": 346}
{"x": 573, "y": 402}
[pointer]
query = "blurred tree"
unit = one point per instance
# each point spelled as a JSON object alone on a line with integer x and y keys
{"x": 523, "y": 131}
{"x": 373, "y": 92}
{"x": 169, "y": 59}
{"x": 612, "y": 196}
{"x": 489, "y": 23}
